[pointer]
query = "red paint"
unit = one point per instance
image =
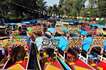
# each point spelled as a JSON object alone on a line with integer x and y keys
{"x": 82, "y": 64}
{"x": 23, "y": 64}
{"x": 56, "y": 63}
{"x": 102, "y": 64}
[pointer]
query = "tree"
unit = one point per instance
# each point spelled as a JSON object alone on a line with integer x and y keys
{"x": 41, "y": 6}
{"x": 22, "y": 8}
{"x": 71, "y": 7}
{"x": 92, "y": 8}
{"x": 3, "y": 7}
{"x": 49, "y": 10}
{"x": 53, "y": 10}
{"x": 102, "y": 8}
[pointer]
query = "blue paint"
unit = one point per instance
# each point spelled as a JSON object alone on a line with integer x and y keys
{"x": 87, "y": 43}
{"x": 63, "y": 42}
{"x": 52, "y": 30}
{"x": 83, "y": 32}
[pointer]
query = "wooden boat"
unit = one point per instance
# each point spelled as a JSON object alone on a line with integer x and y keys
{"x": 79, "y": 65}
{"x": 72, "y": 56}
{"x": 95, "y": 60}
{"x": 48, "y": 61}
{"x": 4, "y": 37}
{"x": 20, "y": 54}
{"x": 20, "y": 65}
{"x": 53, "y": 65}
{"x": 98, "y": 43}
{"x": 4, "y": 41}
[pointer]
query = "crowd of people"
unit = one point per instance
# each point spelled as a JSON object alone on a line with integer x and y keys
{"x": 72, "y": 39}
{"x": 76, "y": 38}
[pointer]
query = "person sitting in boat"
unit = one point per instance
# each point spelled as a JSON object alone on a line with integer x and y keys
{"x": 74, "y": 48}
{"x": 86, "y": 44}
{"x": 61, "y": 37}
{"x": 104, "y": 47}
{"x": 71, "y": 55}
{"x": 58, "y": 30}
{"x": 83, "y": 32}
{"x": 103, "y": 31}
{"x": 104, "y": 44}
{"x": 2, "y": 52}
{"x": 38, "y": 40}
{"x": 94, "y": 29}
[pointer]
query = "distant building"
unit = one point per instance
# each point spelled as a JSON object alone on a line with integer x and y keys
{"x": 92, "y": 4}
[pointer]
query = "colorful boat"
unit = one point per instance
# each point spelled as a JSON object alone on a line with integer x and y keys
{"x": 54, "y": 65}
{"x": 4, "y": 43}
{"x": 79, "y": 65}
{"x": 47, "y": 60}
{"x": 20, "y": 54}
{"x": 3, "y": 62}
{"x": 20, "y": 65}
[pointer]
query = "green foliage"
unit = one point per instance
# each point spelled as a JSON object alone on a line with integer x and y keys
{"x": 76, "y": 8}
{"x": 71, "y": 7}
{"x": 21, "y": 8}
{"x": 27, "y": 8}
{"x": 102, "y": 8}
{"x": 54, "y": 10}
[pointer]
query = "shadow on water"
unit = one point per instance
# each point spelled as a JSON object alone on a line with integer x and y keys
{"x": 33, "y": 64}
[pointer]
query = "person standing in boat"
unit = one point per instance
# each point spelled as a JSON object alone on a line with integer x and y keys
{"x": 60, "y": 35}
{"x": 86, "y": 43}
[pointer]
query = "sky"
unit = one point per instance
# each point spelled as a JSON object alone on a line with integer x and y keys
{"x": 52, "y": 2}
